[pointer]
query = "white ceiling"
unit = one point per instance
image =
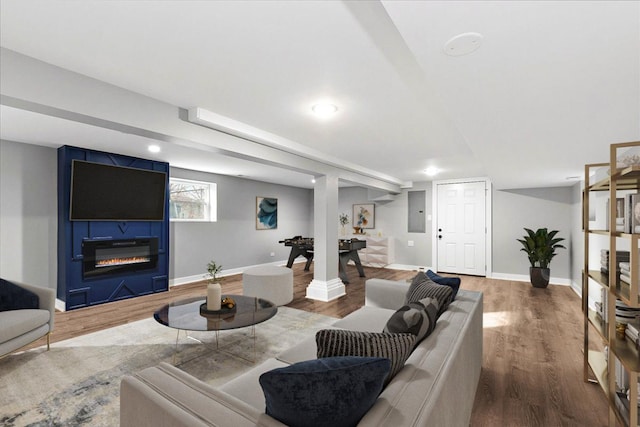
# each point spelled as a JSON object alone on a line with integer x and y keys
{"x": 552, "y": 84}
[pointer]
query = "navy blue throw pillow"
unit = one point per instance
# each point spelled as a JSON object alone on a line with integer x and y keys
{"x": 14, "y": 297}
{"x": 452, "y": 282}
{"x": 326, "y": 392}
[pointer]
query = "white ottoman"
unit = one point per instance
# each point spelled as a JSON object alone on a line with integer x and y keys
{"x": 269, "y": 282}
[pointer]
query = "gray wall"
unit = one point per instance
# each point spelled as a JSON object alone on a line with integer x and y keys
{"x": 554, "y": 208}
{"x": 28, "y": 220}
{"x": 532, "y": 208}
{"x": 392, "y": 220}
{"x": 28, "y": 214}
{"x": 233, "y": 240}
{"x": 28, "y": 224}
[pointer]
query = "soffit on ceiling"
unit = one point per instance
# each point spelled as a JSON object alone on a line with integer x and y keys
{"x": 38, "y": 129}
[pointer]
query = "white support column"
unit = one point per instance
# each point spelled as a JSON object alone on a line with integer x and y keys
{"x": 326, "y": 285}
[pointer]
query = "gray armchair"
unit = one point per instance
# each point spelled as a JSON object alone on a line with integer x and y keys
{"x": 19, "y": 328}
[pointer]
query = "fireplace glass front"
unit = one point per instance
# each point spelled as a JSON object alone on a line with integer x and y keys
{"x": 107, "y": 257}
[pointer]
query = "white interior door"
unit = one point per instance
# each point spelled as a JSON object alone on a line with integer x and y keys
{"x": 461, "y": 228}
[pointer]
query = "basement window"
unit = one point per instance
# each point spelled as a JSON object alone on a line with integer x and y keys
{"x": 193, "y": 201}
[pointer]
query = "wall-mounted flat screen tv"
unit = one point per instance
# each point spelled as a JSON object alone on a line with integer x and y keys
{"x": 101, "y": 192}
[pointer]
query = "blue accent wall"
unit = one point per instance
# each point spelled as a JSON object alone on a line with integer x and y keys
{"x": 73, "y": 289}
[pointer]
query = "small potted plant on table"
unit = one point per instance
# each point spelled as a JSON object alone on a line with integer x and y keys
{"x": 214, "y": 291}
{"x": 213, "y": 270}
{"x": 344, "y": 220}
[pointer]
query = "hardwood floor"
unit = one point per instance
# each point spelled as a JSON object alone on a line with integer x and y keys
{"x": 532, "y": 361}
{"x": 532, "y": 358}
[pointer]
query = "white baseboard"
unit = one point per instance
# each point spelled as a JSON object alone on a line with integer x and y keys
{"x": 61, "y": 305}
{"x": 187, "y": 279}
{"x": 492, "y": 275}
{"x": 500, "y": 276}
{"x": 199, "y": 277}
{"x": 408, "y": 267}
{"x": 525, "y": 278}
{"x": 229, "y": 272}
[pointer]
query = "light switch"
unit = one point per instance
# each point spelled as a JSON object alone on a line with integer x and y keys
{"x": 410, "y": 243}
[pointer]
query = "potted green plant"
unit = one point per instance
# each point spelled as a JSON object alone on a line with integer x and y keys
{"x": 213, "y": 269}
{"x": 344, "y": 220}
{"x": 214, "y": 290}
{"x": 540, "y": 247}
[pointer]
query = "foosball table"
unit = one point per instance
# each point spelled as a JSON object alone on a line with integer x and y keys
{"x": 347, "y": 251}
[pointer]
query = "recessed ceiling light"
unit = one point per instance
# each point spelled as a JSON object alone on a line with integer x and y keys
{"x": 431, "y": 171}
{"x": 154, "y": 148}
{"x": 463, "y": 44}
{"x": 313, "y": 181}
{"x": 324, "y": 109}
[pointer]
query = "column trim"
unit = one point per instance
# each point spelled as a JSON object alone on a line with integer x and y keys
{"x": 325, "y": 290}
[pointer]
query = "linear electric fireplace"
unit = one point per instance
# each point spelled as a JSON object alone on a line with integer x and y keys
{"x": 108, "y": 257}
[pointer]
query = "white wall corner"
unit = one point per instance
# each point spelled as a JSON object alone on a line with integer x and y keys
{"x": 325, "y": 291}
{"x": 577, "y": 288}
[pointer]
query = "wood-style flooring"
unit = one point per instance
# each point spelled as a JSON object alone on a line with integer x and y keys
{"x": 532, "y": 358}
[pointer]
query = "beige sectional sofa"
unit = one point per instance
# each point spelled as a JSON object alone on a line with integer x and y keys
{"x": 21, "y": 327}
{"x": 436, "y": 387}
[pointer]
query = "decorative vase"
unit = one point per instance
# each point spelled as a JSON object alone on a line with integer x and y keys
{"x": 539, "y": 276}
{"x": 214, "y": 294}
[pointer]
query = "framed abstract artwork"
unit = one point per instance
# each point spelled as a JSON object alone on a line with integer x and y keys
{"x": 266, "y": 213}
{"x": 364, "y": 215}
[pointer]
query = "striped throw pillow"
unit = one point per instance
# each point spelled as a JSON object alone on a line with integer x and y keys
{"x": 417, "y": 318}
{"x": 340, "y": 342}
{"x": 452, "y": 282}
{"x": 422, "y": 287}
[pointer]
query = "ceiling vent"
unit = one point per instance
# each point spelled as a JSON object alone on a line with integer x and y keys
{"x": 463, "y": 44}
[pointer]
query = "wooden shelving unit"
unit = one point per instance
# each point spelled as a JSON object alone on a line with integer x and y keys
{"x": 596, "y": 363}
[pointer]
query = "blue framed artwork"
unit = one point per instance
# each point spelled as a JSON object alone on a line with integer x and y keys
{"x": 266, "y": 213}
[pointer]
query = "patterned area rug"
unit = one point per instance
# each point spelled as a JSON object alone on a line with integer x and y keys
{"x": 77, "y": 382}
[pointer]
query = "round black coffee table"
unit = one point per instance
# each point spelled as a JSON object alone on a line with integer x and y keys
{"x": 186, "y": 315}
